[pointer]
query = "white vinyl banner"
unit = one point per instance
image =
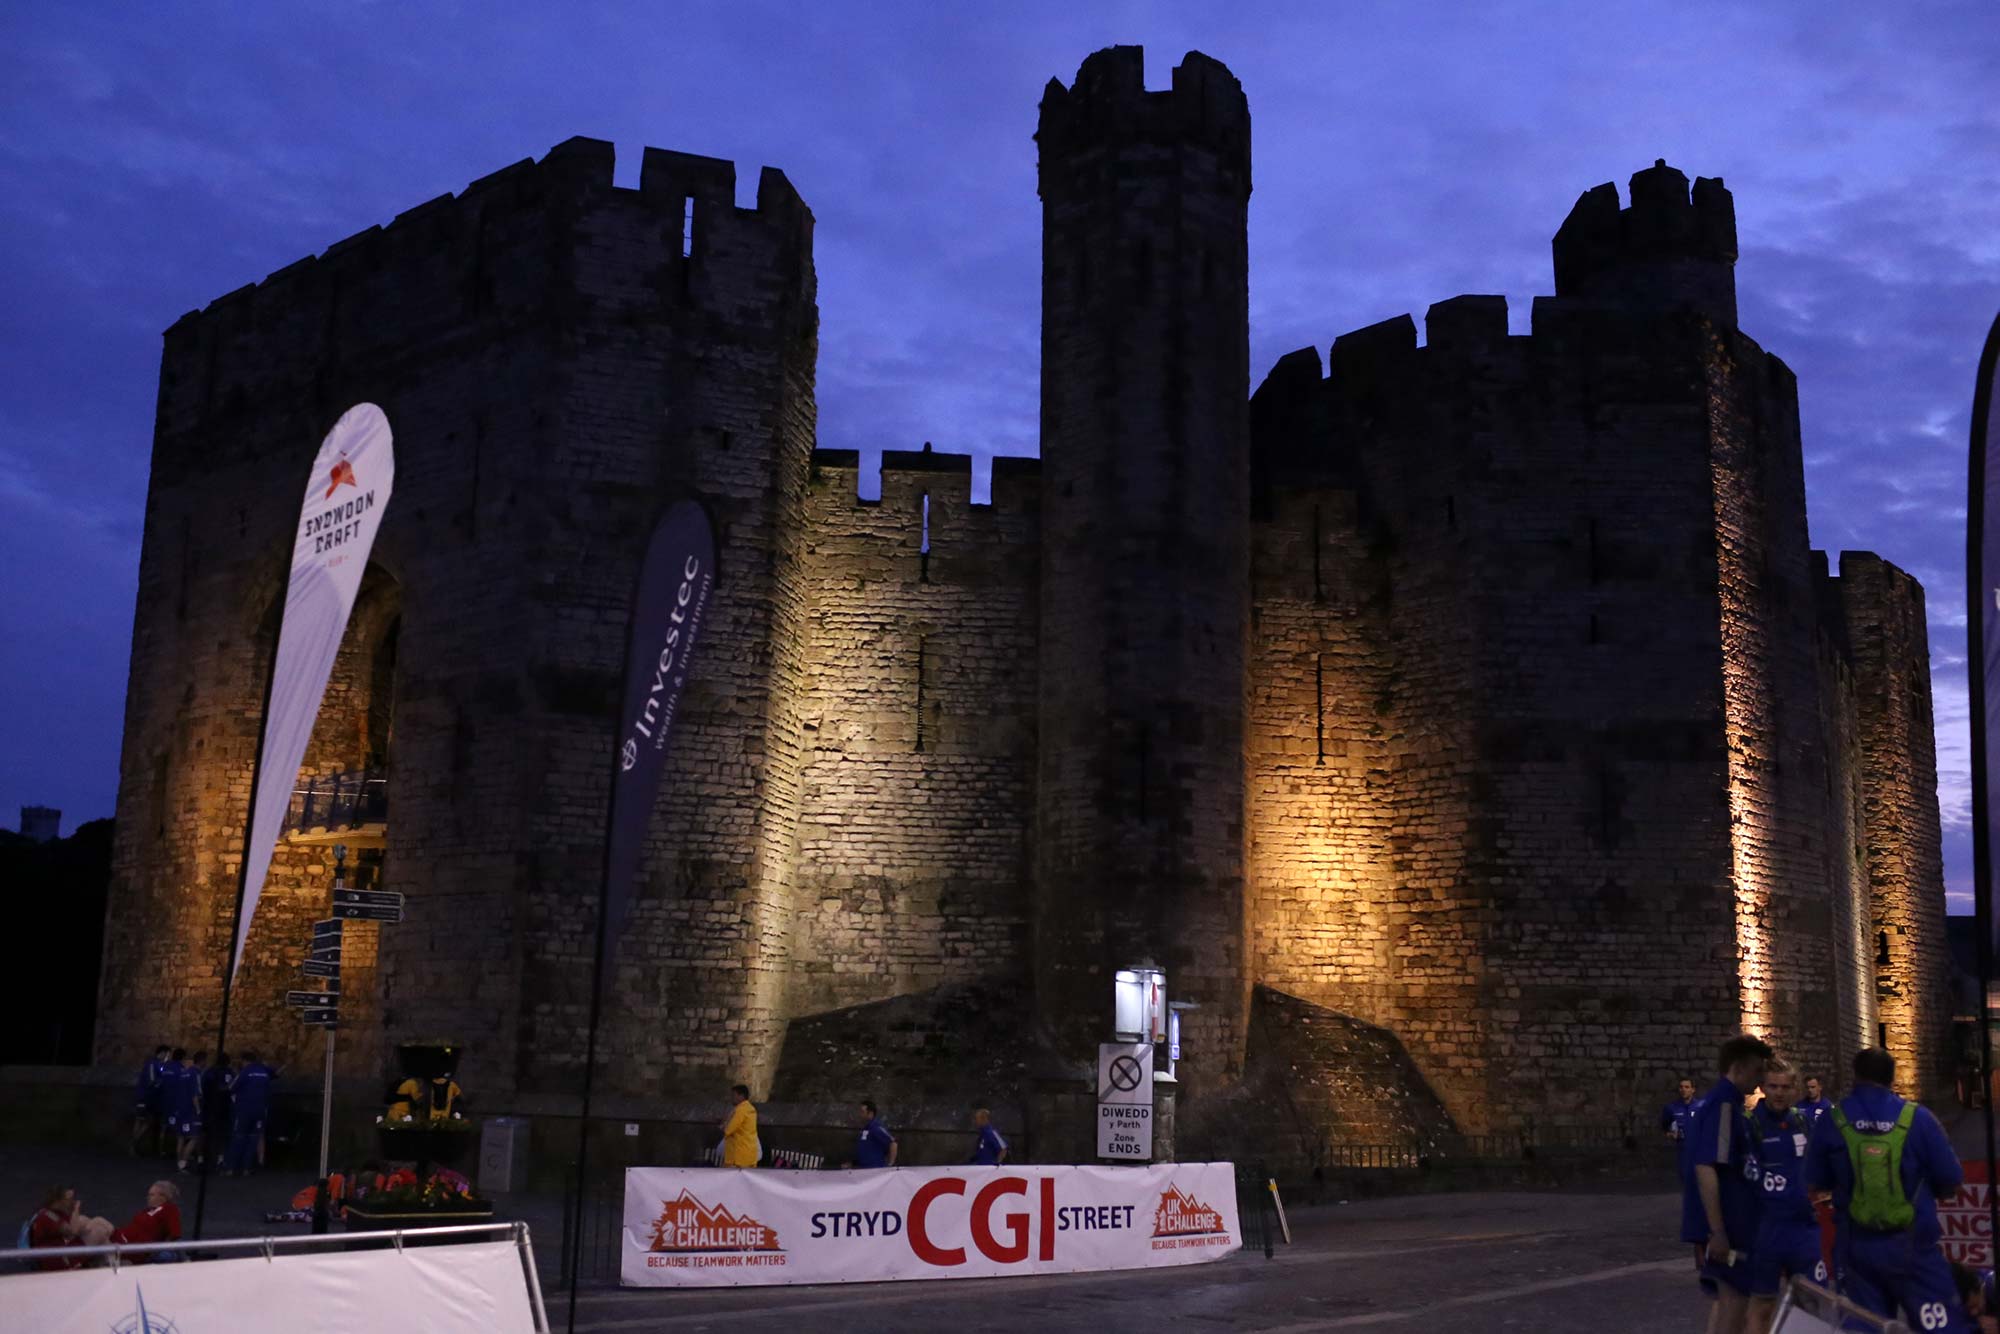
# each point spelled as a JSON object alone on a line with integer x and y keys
{"x": 346, "y": 496}
{"x": 474, "y": 1288}
{"x": 717, "y": 1227}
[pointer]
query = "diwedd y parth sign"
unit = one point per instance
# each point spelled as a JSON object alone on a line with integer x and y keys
{"x": 704, "y": 1227}
{"x": 1125, "y": 1101}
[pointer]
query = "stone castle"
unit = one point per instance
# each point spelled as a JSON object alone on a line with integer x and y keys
{"x": 1469, "y": 708}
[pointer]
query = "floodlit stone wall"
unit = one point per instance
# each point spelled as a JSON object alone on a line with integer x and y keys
{"x": 1479, "y": 698}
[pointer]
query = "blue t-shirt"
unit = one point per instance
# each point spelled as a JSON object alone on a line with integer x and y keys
{"x": 252, "y": 1091}
{"x": 1930, "y": 1168}
{"x": 1781, "y": 1159}
{"x": 184, "y": 1094}
{"x": 987, "y": 1152}
{"x": 1677, "y": 1115}
{"x": 1720, "y": 1137}
{"x": 1812, "y": 1108}
{"x": 873, "y": 1150}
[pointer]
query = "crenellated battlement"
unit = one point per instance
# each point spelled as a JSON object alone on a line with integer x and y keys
{"x": 578, "y": 168}
{"x": 928, "y": 471}
{"x": 1109, "y": 105}
{"x": 525, "y": 251}
{"x": 1672, "y": 248}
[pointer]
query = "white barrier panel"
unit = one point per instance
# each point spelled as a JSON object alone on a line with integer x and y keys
{"x": 470, "y": 1288}
{"x": 717, "y": 1227}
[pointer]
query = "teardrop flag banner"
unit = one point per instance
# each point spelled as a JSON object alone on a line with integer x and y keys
{"x": 1982, "y": 626}
{"x": 346, "y": 495}
{"x": 675, "y": 580}
{"x": 669, "y": 606}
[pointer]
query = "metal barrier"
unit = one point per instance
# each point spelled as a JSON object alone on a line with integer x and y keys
{"x": 268, "y": 1247}
{"x": 1808, "y": 1308}
{"x": 339, "y": 801}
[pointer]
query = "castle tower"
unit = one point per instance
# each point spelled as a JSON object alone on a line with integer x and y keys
{"x": 1669, "y": 250}
{"x": 1144, "y": 602}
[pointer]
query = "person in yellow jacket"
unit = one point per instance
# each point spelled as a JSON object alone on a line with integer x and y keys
{"x": 740, "y": 1147}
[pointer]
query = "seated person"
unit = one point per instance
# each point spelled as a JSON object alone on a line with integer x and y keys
{"x": 51, "y": 1227}
{"x": 436, "y": 1099}
{"x": 160, "y": 1220}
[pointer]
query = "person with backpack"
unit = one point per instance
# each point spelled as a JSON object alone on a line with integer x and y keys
{"x": 1721, "y": 1185}
{"x": 1886, "y": 1163}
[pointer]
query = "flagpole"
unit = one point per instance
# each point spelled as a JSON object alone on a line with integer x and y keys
{"x": 1977, "y": 582}
{"x": 242, "y": 878}
{"x": 580, "y": 1193}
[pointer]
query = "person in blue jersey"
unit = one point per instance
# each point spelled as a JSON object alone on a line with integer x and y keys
{"x": 1674, "y": 1117}
{"x": 876, "y": 1147}
{"x": 1722, "y": 1189}
{"x": 1813, "y": 1106}
{"x": 183, "y": 1105}
{"x": 990, "y": 1149}
{"x": 149, "y": 1103}
{"x": 1787, "y": 1241}
{"x": 1976, "y": 1295}
{"x": 1886, "y": 1163}
{"x": 249, "y": 1108}
{"x": 215, "y": 1108}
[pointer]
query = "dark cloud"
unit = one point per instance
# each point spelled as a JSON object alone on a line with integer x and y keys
{"x": 153, "y": 159}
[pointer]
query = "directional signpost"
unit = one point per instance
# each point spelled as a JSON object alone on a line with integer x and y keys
{"x": 368, "y": 905}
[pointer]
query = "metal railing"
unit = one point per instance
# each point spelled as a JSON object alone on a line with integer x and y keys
{"x": 339, "y": 801}
{"x": 268, "y": 1247}
{"x": 1455, "y": 1149}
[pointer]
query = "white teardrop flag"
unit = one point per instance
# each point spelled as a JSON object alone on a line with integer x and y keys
{"x": 346, "y": 496}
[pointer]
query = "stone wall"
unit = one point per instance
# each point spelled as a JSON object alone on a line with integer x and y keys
{"x": 557, "y": 357}
{"x": 918, "y": 700}
{"x": 1897, "y": 775}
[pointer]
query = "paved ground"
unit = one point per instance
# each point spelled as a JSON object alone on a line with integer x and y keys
{"x": 1544, "y": 1261}
{"x": 1551, "y": 1263}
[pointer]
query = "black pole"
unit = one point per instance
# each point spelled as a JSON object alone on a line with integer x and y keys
{"x": 242, "y": 880}
{"x": 1975, "y": 666}
{"x": 574, "y": 1241}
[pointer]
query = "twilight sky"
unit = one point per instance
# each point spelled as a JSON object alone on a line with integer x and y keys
{"x": 153, "y": 157}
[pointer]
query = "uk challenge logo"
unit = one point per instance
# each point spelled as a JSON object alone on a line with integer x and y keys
{"x": 691, "y": 1235}
{"x": 1182, "y": 1220}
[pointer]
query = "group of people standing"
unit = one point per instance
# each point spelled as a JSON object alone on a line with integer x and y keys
{"x": 1843, "y": 1193}
{"x": 217, "y": 1112}
{"x": 875, "y": 1146}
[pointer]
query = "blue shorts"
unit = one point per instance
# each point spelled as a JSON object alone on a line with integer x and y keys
{"x": 1786, "y": 1250}
{"x": 1888, "y": 1273}
{"x": 191, "y": 1126}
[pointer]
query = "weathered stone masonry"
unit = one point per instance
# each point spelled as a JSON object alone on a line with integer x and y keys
{"x": 1481, "y": 691}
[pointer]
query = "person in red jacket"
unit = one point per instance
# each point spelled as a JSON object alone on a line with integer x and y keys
{"x": 160, "y": 1220}
{"x": 53, "y": 1226}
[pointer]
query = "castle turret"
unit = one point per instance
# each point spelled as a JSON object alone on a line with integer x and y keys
{"x": 1668, "y": 251}
{"x": 1145, "y": 429}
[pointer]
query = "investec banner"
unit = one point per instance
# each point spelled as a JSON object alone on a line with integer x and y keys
{"x": 475, "y": 1288}
{"x": 715, "y": 1227}
{"x": 346, "y": 494}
